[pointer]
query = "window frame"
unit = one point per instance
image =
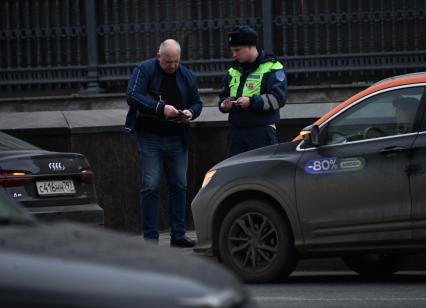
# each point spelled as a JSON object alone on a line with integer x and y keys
{"x": 418, "y": 127}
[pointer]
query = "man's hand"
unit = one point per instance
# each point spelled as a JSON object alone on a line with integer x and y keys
{"x": 170, "y": 112}
{"x": 226, "y": 105}
{"x": 188, "y": 115}
{"x": 243, "y": 102}
{"x": 178, "y": 116}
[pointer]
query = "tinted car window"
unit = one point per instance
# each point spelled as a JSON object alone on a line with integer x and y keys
{"x": 385, "y": 114}
{"x": 9, "y": 143}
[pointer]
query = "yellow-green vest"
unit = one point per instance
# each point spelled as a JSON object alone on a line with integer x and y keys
{"x": 253, "y": 82}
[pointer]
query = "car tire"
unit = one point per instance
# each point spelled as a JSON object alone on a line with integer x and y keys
{"x": 375, "y": 265}
{"x": 256, "y": 242}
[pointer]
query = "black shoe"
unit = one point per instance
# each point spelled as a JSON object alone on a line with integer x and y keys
{"x": 183, "y": 243}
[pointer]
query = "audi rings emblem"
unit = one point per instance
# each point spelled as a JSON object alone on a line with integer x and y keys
{"x": 56, "y": 167}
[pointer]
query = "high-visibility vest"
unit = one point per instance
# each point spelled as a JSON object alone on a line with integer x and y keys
{"x": 253, "y": 82}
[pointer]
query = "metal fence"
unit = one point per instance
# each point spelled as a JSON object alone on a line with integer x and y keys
{"x": 47, "y": 44}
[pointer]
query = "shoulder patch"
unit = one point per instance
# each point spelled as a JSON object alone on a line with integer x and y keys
{"x": 280, "y": 75}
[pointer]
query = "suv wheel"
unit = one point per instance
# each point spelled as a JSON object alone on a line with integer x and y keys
{"x": 256, "y": 242}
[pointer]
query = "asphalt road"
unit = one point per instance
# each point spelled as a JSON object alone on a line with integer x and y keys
{"x": 308, "y": 287}
{"x": 343, "y": 289}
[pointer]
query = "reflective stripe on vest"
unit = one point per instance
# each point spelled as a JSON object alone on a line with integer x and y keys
{"x": 253, "y": 82}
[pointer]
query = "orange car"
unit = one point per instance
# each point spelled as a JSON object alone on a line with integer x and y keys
{"x": 351, "y": 185}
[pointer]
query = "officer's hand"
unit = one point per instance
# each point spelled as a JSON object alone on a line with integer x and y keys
{"x": 243, "y": 102}
{"x": 170, "y": 112}
{"x": 226, "y": 105}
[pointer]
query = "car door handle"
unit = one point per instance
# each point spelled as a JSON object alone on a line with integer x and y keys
{"x": 392, "y": 151}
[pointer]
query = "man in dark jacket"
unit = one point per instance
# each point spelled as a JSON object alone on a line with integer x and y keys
{"x": 254, "y": 89}
{"x": 163, "y": 97}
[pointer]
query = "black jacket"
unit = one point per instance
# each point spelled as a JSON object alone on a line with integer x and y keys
{"x": 144, "y": 85}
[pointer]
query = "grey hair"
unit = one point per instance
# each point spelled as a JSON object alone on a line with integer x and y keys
{"x": 168, "y": 43}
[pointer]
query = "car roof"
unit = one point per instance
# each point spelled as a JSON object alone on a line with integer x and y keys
{"x": 400, "y": 77}
{"x": 391, "y": 82}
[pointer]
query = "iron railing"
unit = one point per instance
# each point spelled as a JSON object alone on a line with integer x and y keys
{"x": 96, "y": 43}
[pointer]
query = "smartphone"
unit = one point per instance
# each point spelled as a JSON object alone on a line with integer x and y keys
{"x": 179, "y": 117}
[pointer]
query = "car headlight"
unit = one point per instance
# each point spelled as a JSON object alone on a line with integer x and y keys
{"x": 221, "y": 299}
{"x": 209, "y": 175}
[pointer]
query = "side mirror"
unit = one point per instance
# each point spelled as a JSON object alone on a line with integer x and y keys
{"x": 311, "y": 135}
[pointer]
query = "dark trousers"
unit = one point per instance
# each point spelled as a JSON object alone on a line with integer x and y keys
{"x": 158, "y": 153}
{"x": 242, "y": 139}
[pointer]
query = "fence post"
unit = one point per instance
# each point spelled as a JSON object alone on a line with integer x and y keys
{"x": 268, "y": 42}
{"x": 92, "y": 49}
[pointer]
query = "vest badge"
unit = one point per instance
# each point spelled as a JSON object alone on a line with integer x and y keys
{"x": 250, "y": 85}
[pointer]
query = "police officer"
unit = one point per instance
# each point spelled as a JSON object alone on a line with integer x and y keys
{"x": 254, "y": 89}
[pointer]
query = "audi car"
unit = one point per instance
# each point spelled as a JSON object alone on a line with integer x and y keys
{"x": 51, "y": 185}
{"x": 351, "y": 185}
{"x": 66, "y": 264}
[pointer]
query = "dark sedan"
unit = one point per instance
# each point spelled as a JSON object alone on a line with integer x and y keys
{"x": 71, "y": 265}
{"x": 351, "y": 185}
{"x": 51, "y": 185}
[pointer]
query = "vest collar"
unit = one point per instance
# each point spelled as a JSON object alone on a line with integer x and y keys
{"x": 248, "y": 67}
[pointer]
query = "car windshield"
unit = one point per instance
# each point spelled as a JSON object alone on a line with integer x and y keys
{"x": 9, "y": 143}
{"x": 12, "y": 214}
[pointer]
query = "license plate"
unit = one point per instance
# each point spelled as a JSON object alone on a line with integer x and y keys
{"x": 50, "y": 188}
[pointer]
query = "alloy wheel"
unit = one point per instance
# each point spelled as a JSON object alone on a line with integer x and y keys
{"x": 253, "y": 242}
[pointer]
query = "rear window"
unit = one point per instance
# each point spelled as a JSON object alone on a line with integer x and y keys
{"x": 9, "y": 143}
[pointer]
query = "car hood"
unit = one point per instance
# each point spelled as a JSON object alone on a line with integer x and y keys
{"x": 261, "y": 154}
{"x": 84, "y": 251}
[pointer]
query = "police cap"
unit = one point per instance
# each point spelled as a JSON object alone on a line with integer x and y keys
{"x": 242, "y": 36}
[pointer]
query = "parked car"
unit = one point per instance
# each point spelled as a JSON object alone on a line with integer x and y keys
{"x": 74, "y": 265}
{"x": 51, "y": 185}
{"x": 351, "y": 185}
